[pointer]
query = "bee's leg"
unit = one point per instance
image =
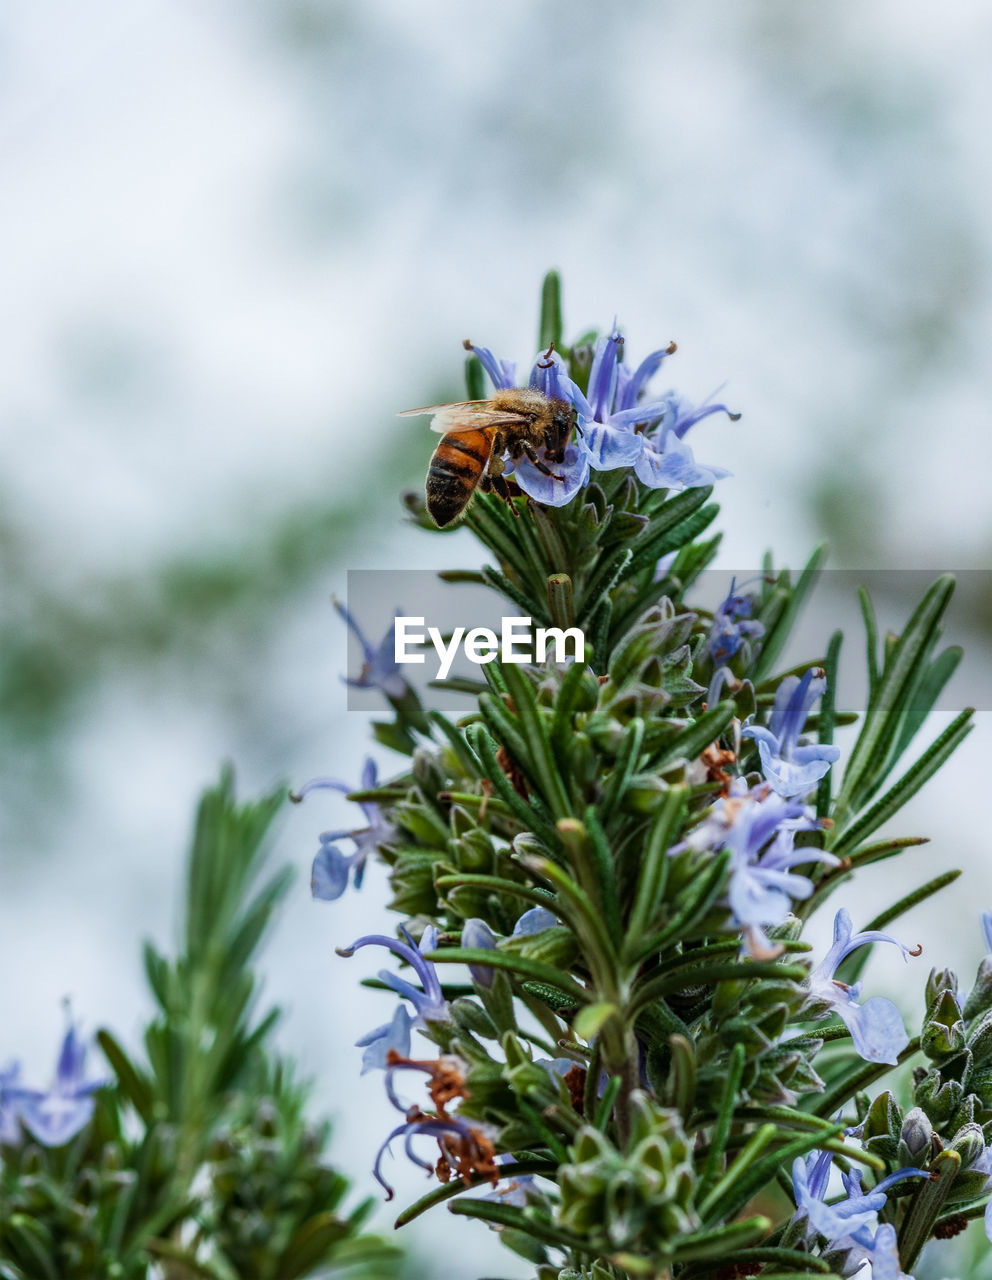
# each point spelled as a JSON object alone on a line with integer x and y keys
{"x": 531, "y": 453}
{"x": 493, "y": 481}
{"x": 502, "y": 490}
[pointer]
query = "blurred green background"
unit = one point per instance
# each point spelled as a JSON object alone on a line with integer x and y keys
{"x": 236, "y": 238}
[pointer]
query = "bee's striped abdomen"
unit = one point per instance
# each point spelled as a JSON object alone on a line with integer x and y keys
{"x": 459, "y": 463}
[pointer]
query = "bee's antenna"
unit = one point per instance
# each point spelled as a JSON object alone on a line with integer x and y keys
{"x": 547, "y": 362}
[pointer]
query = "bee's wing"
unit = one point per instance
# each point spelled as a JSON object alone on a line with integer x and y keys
{"x": 466, "y": 415}
{"x": 468, "y": 405}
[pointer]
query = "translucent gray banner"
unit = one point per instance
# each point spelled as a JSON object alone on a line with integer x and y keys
{"x": 376, "y": 597}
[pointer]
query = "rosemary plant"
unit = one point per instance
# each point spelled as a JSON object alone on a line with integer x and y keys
{"x": 196, "y": 1160}
{"x": 635, "y": 1065}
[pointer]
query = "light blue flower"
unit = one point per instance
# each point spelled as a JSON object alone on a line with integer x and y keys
{"x": 465, "y": 1146}
{"x": 883, "y": 1255}
{"x": 847, "y": 1224}
{"x": 332, "y": 867}
{"x": 502, "y": 373}
{"x": 987, "y": 929}
{"x": 616, "y": 407}
{"x": 54, "y": 1116}
{"x": 876, "y": 1025}
{"x": 810, "y": 1178}
{"x": 608, "y": 418}
{"x": 611, "y": 443}
{"x": 520, "y": 1191}
{"x": 10, "y": 1128}
{"x": 732, "y": 624}
{"x": 791, "y": 769}
{"x": 759, "y": 828}
{"x": 461, "y": 1143}
{"x": 982, "y": 1163}
{"x": 536, "y": 920}
{"x": 666, "y": 461}
{"x": 559, "y": 488}
{"x": 391, "y": 1037}
{"x": 429, "y": 1002}
{"x": 380, "y": 670}
{"x": 476, "y": 933}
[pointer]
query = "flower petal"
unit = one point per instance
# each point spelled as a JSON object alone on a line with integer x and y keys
{"x": 534, "y": 921}
{"x": 394, "y": 1035}
{"x": 329, "y": 873}
{"x": 674, "y": 468}
{"x": 552, "y": 491}
{"x": 876, "y": 1028}
{"x": 54, "y": 1118}
{"x": 502, "y": 373}
{"x": 611, "y": 447}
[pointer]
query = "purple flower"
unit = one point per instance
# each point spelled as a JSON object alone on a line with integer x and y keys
{"x": 759, "y": 828}
{"x": 987, "y": 929}
{"x": 56, "y": 1115}
{"x": 846, "y": 1224}
{"x": 467, "y": 1145}
{"x": 536, "y": 920}
{"x": 810, "y": 1178}
{"x": 611, "y": 443}
{"x": 876, "y": 1026}
{"x": 861, "y": 1246}
{"x": 331, "y": 866}
{"x": 608, "y": 417}
{"x": 559, "y": 488}
{"x": 614, "y": 408}
{"x": 732, "y": 623}
{"x": 666, "y": 461}
{"x": 502, "y": 373}
{"x": 549, "y": 377}
{"x": 476, "y": 933}
{"x": 883, "y": 1255}
{"x": 429, "y": 1002}
{"x": 520, "y": 1191}
{"x": 380, "y": 669}
{"x": 466, "y": 1148}
{"x": 10, "y": 1129}
{"x": 791, "y": 769}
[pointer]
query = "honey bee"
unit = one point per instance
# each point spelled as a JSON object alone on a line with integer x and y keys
{"x": 476, "y": 435}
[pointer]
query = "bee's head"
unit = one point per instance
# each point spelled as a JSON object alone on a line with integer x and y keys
{"x": 563, "y": 420}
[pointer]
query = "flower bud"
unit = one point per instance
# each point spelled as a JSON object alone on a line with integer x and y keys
{"x": 427, "y": 772}
{"x": 980, "y": 1040}
{"x": 475, "y": 852}
{"x": 882, "y": 1126}
{"x": 980, "y": 996}
{"x": 938, "y": 981}
{"x": 943, "y": 1028}
{"x": 939, "y": 1098}
{"x": 915, "y": 1134}
{"x": 582, "y": 763}
{"x": 468, "y": 1016}
{"x": 969, "y": 1143}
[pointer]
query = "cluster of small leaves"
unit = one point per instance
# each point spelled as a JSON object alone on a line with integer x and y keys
{"x": 945, "y": 1129}
{"x": 199, "y": 1161}
{"x": 690, "y": 1076}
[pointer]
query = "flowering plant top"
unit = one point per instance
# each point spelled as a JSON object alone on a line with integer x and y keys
{"x": 619, "y": 855}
